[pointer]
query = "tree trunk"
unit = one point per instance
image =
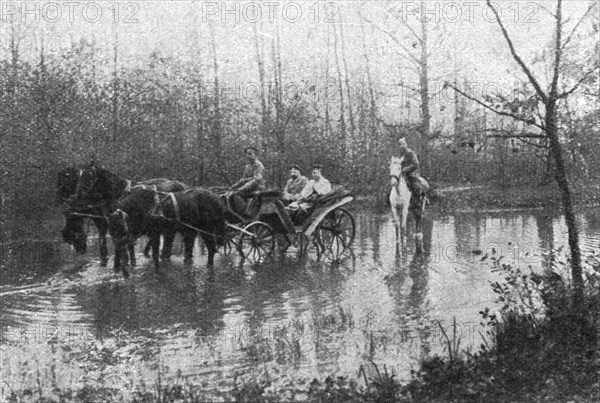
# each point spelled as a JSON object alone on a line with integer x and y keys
{"x": 326, "y": 90}
{"x": 341, "y": 92}
{"x": 563, "y": 184}
{"x": 373, "y": 107}
{"x": 424, "y": 91}
{"x": 278, "y": 96}
{"x": 216, "y": 123}
{"x": 115, "y": 97}
{"x": 265, "y": 126}
{"x": 347, "y": 81}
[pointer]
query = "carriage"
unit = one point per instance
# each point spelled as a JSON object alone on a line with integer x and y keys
{"x": 329, "y": 226}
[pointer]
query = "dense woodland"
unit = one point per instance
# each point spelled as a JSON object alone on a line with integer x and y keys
{"x": 179, "y": 115}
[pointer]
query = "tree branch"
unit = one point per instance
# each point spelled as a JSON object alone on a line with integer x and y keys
{"x": 501, "y": 113}
{"x": 577, "y": 25}
{"x": 396, "y": 40}
{"x": 579, "y": 82}
{"x": 412, "y": 31}
{"x": 509, "y": 134}
{"x": 557, "y": 49}
{"x": 518, "y": 59}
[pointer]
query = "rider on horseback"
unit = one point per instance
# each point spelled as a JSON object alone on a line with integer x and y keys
{"x": 410, "y": 169}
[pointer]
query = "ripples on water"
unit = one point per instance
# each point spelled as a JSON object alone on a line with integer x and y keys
{"x": 290, "y": 318}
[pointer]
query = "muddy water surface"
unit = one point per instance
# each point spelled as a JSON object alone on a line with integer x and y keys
{"x": 68, "y": 322}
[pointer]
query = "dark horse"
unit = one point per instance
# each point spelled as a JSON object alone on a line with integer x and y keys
{"x": 92, "y": 192}
{"x": 152, "y": 213}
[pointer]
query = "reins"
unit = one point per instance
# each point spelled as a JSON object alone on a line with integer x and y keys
{"x": 87, "y": 215}
{"x": 88, "y": 207}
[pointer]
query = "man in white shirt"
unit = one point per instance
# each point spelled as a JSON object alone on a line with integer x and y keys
{"x": 317, "y": 186}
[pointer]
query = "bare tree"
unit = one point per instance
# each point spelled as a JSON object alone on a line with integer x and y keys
{"x": 547, "y": 122}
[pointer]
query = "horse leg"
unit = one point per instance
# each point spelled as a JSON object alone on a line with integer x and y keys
{"x": 118, "y": 258}
{"x": 404, "y": 229}
{"x": 167, "y": 249}
{"x": 147, "y": 248}
{"x": 212, "y": 249}
{"x": 188, "y": 246}
{"x": 155, "y": 241}
{"x": 131, "y": 249}
{"x": 419, "y": 225}
{"x": 102, "y": 226}
{"x": 397, "y": 223}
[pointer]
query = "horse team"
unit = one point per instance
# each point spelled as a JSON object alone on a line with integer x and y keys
{"x": 129, "y": 210}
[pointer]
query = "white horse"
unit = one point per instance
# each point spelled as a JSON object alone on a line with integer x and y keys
{"x": 400, "y": 201}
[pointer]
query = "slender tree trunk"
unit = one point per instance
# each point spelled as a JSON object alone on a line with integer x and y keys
{"x": 326, "y": 89}
{"x": 216, "y": 123}
{"x": 115, "y": 97}
{"x": 373, "y": 106}
{"x": 424, "y": 91}
{"x": 563, "y": 184}
{"x": 265, "y": 126}
{"x": 278, "y": 97}
{"x": 341, "y": 93}
{"x": 347, "y": 80}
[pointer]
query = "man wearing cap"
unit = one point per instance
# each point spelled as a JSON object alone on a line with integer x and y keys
{"x": 295, "y": 184}
{"x": 410, "y": 168}
{"x": 252, "y": 180}
{"x": 317, "y": 186}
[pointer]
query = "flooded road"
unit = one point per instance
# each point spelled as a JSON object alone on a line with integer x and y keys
{"x": 67, "y": 322}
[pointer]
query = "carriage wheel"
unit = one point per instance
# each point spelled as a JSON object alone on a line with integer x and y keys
{"x": 260, "y": 244}
{"x": 230, "y": 243}
{"x": 336, "y": 232}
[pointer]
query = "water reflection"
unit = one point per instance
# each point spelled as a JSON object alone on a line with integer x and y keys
{"x": 296, "y": 316}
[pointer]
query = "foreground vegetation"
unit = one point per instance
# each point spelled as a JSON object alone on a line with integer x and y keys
{"x": 537, "y": 350}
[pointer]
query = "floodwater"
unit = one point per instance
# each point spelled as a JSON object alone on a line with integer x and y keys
{"x": 67, "y": 322}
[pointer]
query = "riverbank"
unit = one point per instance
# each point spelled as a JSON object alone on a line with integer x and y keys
{"x": 451, "y": 198}
{"x": 483, "y": 197}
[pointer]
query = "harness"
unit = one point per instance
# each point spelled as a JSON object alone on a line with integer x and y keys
{"x": 76, "y": 210}
{"x": 79, "y": 186}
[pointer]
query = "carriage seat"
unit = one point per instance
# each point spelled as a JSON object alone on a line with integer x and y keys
{"x": 337, "y": 193}
{"x": 266, "y": 193}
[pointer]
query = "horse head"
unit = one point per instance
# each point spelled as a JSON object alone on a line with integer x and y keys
{"x": 86, "y": 181}
{"x": 74, "y": 234}
{"x": 396, "y": 171}
{"x": 66, "y": 184}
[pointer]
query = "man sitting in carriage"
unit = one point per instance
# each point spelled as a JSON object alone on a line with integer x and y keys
{"x": 295, "y": 185}
{"x": 252, "y": 181}
{"x": 410, "y": 168}
{"x": 317, "y": 186}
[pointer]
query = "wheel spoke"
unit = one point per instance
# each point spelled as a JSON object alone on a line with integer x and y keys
{"x": 336, "y": 233}
{"x": 257, "y": 242}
